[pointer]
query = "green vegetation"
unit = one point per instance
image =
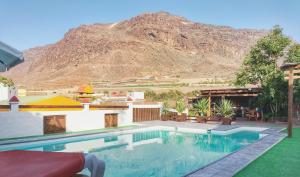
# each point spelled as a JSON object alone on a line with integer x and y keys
{"x": 170, "y": 97}
{"x": 294, "y": 54}
{"x": 202, "y": 106}
{"x": 192, "y": 112}
{"x": 281, "y": 160}
{"x": 165, "y": 109}
{"x": 225, "y": 109}
{"x": 180, "y": 106}
{"x": 6, "y": 81}
{"x": 260, "y": 67}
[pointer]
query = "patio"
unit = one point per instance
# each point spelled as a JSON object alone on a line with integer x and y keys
{"x": 213, "y": 125}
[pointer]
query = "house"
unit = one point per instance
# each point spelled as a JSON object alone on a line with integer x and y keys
{"x": 6, "y": 92}
{"x": 136, "y": 95}
{"x": 240, "y": 97}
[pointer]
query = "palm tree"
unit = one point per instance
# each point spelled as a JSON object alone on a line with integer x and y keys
{"x": 202, "y": 106}
{"x": 225, "y": 109}
{"x": 180, "y": 107}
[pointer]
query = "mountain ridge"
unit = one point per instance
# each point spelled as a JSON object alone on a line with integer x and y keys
{"x": 151, "y": 44}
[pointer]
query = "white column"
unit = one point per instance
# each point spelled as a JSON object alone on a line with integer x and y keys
{"x": 86, "y": 106}
{"x": 14, "y": 106}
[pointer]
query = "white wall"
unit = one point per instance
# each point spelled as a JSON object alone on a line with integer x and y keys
{"x": 158, "y": 105}
{"x": 6, "y": 92}
{"x": 137, "y": 95}
{"x": 20, "y": 124}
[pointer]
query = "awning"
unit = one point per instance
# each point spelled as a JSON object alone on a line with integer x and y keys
{"x": 9, "y": 57}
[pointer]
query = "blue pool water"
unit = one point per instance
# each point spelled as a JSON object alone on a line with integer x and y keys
{"x": 157, "y": 153}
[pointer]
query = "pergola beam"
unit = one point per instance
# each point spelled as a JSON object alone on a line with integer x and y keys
{"x": 229, "y": 95}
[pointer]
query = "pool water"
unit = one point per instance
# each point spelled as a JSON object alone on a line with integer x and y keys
{"x": 157, "y": 153}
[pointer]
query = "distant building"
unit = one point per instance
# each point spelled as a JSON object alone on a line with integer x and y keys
{"x": 136, "y": 95}
{"x": 6, "y": 92}
{"x": 22, "y": 92}
{"x": 85, "y": 93}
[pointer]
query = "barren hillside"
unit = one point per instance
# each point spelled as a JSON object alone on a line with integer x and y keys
{"x": 154, "y": 44}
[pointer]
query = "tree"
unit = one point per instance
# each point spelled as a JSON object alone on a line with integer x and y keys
{"x": 6, "y": 81}
{"x": 260, "y": 67}
{"x": 294, "y": 54}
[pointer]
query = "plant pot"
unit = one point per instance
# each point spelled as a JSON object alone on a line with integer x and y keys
{"x": 201, "y": 119}
{"x": 165, "y": 117}
{"x": 226, "y": 121}
{"x": 181, "y": 118}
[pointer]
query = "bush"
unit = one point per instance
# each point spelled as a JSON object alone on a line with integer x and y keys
{"x": 225, "y": 109}
{"x": 180, "y": 106}
{"x": 6, "y": 81}
{"x": 202, "y": 106}
{"x": 165, "y": 109}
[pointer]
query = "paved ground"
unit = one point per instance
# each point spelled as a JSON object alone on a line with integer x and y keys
{"x": 213, "y": 125}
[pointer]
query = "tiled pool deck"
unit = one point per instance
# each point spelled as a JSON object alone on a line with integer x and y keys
{"x": 225, "y": 167}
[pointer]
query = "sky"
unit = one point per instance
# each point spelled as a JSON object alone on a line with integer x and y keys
{"x": 32, "y": 23}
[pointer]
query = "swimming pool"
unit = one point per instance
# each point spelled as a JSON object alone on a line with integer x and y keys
{"x": 155, "y": 153}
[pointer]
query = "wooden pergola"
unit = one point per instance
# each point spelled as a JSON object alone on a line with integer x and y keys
{"x": 292, "y": 72}
{"x": 228, "y": 92}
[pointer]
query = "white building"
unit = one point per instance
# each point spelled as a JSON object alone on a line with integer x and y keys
{"x": 21, "y": 120}
{"x": 136, "y": 95}
{"x": 7, "y": 92}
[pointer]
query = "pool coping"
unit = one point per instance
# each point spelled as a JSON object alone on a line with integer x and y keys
{"x": 114, "y": 132}
{"x": 232, "y": 163}
{"x": 224, "y": 167}
{"x": 62, "y": 136}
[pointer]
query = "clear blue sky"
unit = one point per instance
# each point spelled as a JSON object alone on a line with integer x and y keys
{"x": 31, "y": 23}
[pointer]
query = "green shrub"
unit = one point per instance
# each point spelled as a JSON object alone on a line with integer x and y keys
{"x": 6, "y": 81}
{"x": 202, "y": 106}
{"x": 225, "y": 109}
{"x": 165, "y": 109}
{"x": 192, "y": 112}
{"x": 180, "y": 106}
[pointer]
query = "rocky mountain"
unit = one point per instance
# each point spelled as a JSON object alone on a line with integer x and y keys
{"x": 152, "y": 44}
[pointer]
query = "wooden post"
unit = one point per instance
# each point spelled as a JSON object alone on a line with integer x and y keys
{"x": 209, "y": 105}
{"x": 290, "y": 102}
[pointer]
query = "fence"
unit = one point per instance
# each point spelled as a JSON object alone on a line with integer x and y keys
{"x": 146, "y": 114}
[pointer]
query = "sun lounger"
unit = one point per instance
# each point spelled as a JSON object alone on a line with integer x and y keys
{"x": 19, "y": 163}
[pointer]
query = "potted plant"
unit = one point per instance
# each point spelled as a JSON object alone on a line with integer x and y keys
{"x": 226, "y": 111}
{"x": 180, "y": 107}
{"x": 165, "y": 111}
{"x": 202, "y": 107}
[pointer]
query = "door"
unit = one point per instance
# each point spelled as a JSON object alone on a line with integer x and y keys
{"x": 54, "y": 124}
{"x": 111, "y": 120}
